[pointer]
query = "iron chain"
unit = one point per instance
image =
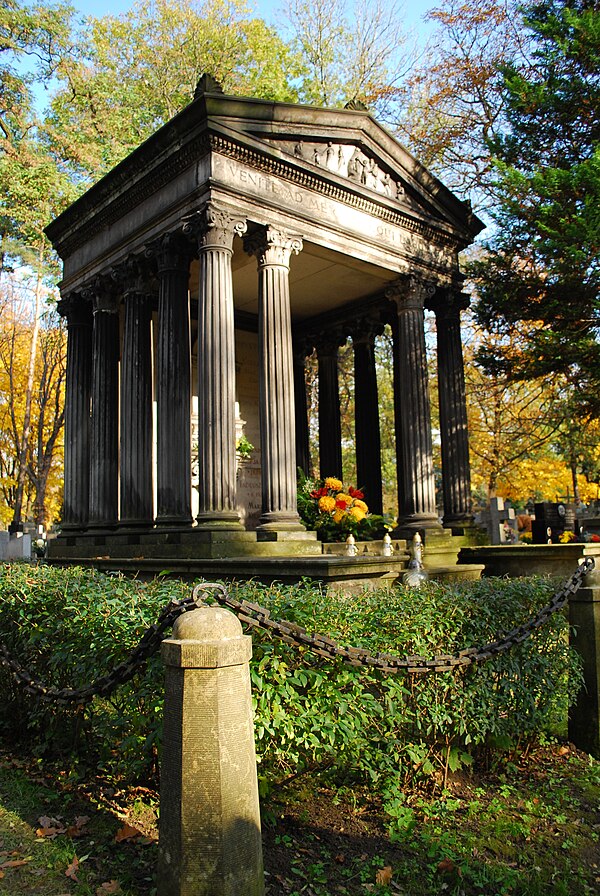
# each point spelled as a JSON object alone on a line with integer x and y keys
{"x": 123, "y": 672}
{"x": 258, "y": 617}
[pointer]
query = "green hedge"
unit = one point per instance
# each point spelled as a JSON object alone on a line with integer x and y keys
{"x": 69, "y": 626}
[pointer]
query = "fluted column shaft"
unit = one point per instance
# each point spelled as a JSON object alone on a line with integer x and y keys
{"x": 454, "y": 433}
{"x": 136, "y": 409}
{"x": 301, "y": 410}
{"x": 273, "y": 249}
{"x": 77, "y": 412}
{"x": 215, "y": 228}
{"x": 104, "y": 470}
{"x": 416, "y": 485}
{"x": 330, "y": 425}
{"x": 173, "y": 385}
{"x": 366, "y": 421}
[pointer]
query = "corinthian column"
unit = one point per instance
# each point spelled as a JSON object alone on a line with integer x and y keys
{"x": 416, "y": 486}
{"x": 136, "y": 399}
{"x": 173, "y": 383}
{"x": 454, "y": 434}
{"x": 273, "y": 249}
{"x": 77, "y": 411}
{"x": 366, "y": 415}
{"x": 330, "y": 424}
{"x": 104, "y": 471}
{"x": 214, "y": 228}
{"x": 300, "y": 349}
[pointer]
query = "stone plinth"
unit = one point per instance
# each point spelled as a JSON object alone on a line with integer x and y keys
{"x": 210, "y": 839}
{"x": 529, "y": 559}
{"x": 584, "y": 619}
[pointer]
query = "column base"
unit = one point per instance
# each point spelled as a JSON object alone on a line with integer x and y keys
{"x": 417, "y": 522}
{"x": 459, "y": 523}
{"x": 276, "y": 521}
{"x": 226, "y": 519}
{"x": 139, "y": 523}
{"x": 71, "y": 529}
{"x": 102, "y": 528}
{"x": 174, "y": 522}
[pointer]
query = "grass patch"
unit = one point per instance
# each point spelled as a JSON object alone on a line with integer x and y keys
{"x": 527, "y": 828}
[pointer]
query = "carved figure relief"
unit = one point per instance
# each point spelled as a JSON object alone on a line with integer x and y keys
{"x": 347, "y": 161}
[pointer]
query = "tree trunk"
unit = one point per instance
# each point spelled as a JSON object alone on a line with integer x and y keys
{"x": 576, "y": 495}
{"x": 26, "y": 433}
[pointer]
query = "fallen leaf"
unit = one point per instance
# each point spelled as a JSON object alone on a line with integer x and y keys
{"x": 446, "y": 866}
{"x": 14, "y": 863}
{"x": 111, "y": 886}
{"x": 78, "y": 828}
{"x": 72, "y": 869}
{"x": 127, "y": 832}
{"x": 45, "y": 821}
{"x": 384, "y": 876}
{"x": 49, "y": 833}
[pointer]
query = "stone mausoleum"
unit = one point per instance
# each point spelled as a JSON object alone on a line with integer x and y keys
{"x": 198, "y": 276}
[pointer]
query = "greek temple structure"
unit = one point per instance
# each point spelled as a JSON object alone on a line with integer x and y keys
{"x": 198, "y": 275}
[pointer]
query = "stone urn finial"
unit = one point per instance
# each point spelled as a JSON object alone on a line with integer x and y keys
{"x": 207, "y": 84}
{"x": 351, "y": 548}
{"x": 415, "y": 574}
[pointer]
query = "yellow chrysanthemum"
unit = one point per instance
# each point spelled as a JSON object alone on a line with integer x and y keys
{"x": 333, "y": 483}
{"x": 338, "y": 516}
{"x": 360, "y": 504}
{"x": 326, "y": 504}
{"x": 357, "y": 513}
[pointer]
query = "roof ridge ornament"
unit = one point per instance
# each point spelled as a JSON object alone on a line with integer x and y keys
{"x": 207, "y": 84}
{"x": 356, "y": 106}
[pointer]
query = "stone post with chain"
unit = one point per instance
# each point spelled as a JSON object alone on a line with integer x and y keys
{"x": 209, "y": 838}
{"x": 584, "y": 619}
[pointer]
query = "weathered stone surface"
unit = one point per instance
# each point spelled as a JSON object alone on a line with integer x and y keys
{"x": 209, "y": 838}
{"x": 584, "y": 715}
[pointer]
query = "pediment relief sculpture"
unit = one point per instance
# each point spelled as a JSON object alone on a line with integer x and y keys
{"x": 346, "y": 160}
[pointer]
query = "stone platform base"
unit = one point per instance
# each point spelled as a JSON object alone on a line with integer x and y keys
{"x": 228, "y": 554}
{"x": 181, "y": 544}
{"x": 516, "y": 560}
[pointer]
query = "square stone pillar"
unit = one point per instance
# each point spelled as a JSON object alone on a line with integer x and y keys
{"x": 584, "y": 618}
{"x": 210, "y": 838}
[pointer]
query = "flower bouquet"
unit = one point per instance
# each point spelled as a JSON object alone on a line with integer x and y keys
{"x": 336, "y": 511}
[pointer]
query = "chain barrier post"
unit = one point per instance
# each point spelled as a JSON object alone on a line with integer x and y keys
{"x": 584, "y": 619}
{"x": 209, "y": 832}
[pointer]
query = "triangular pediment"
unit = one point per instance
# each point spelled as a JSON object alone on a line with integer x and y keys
{"x": 345, "y": 145}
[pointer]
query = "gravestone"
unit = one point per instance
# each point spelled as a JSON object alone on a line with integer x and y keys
{"x": 500, "y": 521}
{"x": 18, "y": 547}
{"x": 556, "y": 517}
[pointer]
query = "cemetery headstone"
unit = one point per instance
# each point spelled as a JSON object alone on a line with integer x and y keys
{"x": 556, "y": 517}
{"x": 500, "y": 521}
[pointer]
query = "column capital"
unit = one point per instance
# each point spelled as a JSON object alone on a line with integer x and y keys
{"x": 214, "y": 226}
{"x": 302, "y": 347}
{"x": 76, "y": 308}
{"x": 135, "y": 276}
{"x": 365, "y": 329}
{"x": 448, "y": 303}
{"x": 102, "y": 292}
{"x": 272, "y": 246}
{"x": 410, "y": 292}
{"x": 169, "y": 252}
{"x": 328, "y": 343}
